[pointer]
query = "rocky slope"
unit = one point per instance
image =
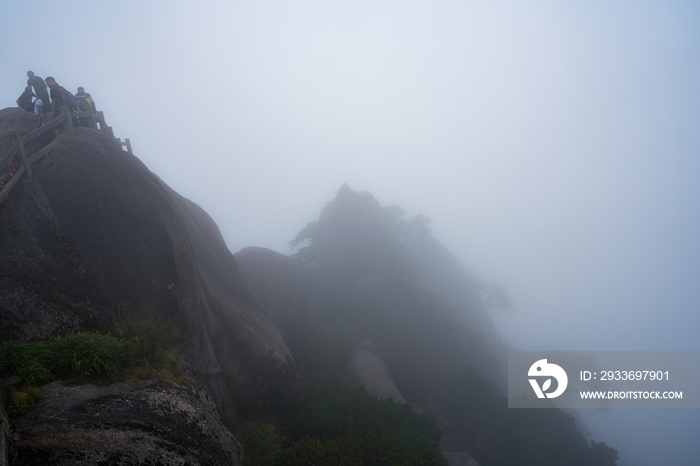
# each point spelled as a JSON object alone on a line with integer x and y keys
{"x": 94, "y": 232}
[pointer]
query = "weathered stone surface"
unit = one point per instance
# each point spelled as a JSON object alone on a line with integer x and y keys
{"x": 366, "y": 369}
{"x": 156, "y": 423}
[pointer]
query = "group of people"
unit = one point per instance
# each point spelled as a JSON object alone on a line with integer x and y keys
{"x": 47, "y": 99}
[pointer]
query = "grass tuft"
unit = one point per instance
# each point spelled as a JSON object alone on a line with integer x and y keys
{"x": 150, "y": 337}
{"x": 28, "y": 360}
{"x": 76, "y": 355}
{"x": 142, "y": 348}
{"x": 21, "y": 401}
{"x": 89, "y": 355}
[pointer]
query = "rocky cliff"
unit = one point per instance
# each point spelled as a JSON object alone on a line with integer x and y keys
{"x": 94, "y": 232}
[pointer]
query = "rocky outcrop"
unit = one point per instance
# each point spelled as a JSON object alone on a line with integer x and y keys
{"x": 283, "y": 285}
{"x": 367, "y": 370}
{"x": 156, "y": 423}
{"x": 95, "y": 231}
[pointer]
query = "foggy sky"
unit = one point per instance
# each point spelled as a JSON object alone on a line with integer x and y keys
{"x": 553, "y": 144}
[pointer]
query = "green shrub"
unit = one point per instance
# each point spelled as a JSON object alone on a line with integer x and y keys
{"x": 333, "y": 413}
{"x": 75, "y": 355}
{"x": 27, "y": 360}
{"x": 261, "y": 442}
{"x": 356, "y": 448}
{"x": 20, "y": 402}
{"x": 150, "y": 337}
{"x": 89, "y": 355}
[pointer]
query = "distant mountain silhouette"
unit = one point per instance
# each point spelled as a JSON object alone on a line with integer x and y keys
{"x": 364, "y": 283}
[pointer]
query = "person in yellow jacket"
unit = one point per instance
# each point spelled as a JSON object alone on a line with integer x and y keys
{"x": 84, "y": 101}
{"x": 84, "y": 104}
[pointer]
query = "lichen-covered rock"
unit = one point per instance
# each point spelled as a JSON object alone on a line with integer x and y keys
{"x": 155, "y": 423}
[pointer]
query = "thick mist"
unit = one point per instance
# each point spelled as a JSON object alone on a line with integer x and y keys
{"x": 553, "y": 145}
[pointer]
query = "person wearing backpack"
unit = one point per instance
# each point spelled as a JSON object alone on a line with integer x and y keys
{"x": 84, "y": 101}
{"x": 85, "y": 104}
{"x": 58, "y": 98}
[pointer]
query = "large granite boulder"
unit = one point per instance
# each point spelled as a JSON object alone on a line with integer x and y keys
{"x": 155, "y": 423}
{"x": 367, "y": 370}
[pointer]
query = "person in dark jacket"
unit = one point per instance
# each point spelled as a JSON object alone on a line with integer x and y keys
{"x": 25, "y": 100}
{"x": 39, "y": 87}
{"x": 57, "y": 99}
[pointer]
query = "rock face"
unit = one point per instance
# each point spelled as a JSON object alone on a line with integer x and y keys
{"x": 367, "y": 370}
{"x": 283, "y": 286}
{"x": 158, "y": 423}
{"x": 95, "y": 231}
